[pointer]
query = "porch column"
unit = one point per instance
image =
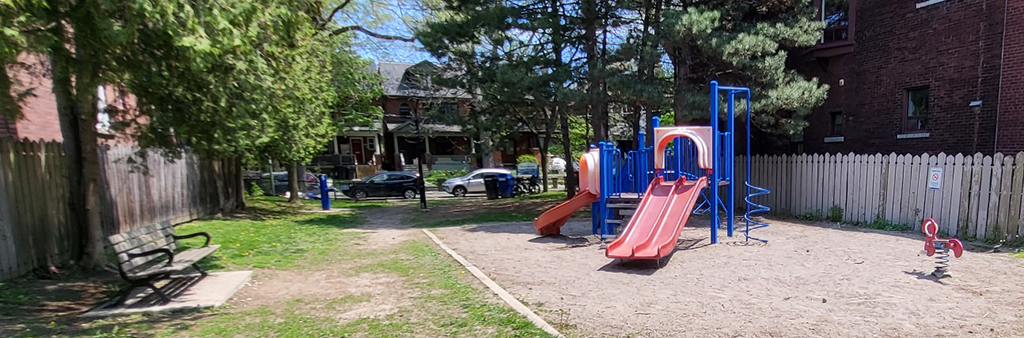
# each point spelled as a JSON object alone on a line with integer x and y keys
{"x": 426, "y": 144}
{"x": 335, "y": 141}
{"x": 376, "y": 144}
{"x": 398, "y": 152}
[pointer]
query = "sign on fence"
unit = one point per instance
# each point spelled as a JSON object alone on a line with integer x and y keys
{"x": 528, "y": 169}
{"x": 934, "y": 178}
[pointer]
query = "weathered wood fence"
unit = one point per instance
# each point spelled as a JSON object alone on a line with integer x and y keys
{"x": 978, "y": 197}
{"x": 35, "y": 227}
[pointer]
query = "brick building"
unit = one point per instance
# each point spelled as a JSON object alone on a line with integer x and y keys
{"x": 915, "y": 76}
{"x": 39, "y": 120}
{"x": 39, "y": 109}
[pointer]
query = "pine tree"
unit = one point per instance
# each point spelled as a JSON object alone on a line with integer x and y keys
{"x": 744, "y": 43}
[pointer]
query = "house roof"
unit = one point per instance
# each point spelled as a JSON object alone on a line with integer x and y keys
{"x": 413, "y": 80}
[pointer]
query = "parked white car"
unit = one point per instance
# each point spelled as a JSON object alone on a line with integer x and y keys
{"x": 472, "y": 182}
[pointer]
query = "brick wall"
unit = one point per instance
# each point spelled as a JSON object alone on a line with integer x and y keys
{"x": 40, "y": 120}
{"x": 953, "y": 47}
{"x": 1011, "y": 96}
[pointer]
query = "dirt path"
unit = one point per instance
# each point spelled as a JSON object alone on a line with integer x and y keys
{"x": 810, "y": 281}
{"x": 335, "y": 280}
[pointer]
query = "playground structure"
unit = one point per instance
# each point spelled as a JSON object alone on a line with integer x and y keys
{"x": 933, "y": 244}
{"x": 684, "y": 165}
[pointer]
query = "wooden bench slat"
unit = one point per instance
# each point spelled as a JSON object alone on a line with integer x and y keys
{"x": 137, "y": 261}
{"x": 135, "y": 233}
{"x": 134, "y": 243}
{"x": 182, "y": 260}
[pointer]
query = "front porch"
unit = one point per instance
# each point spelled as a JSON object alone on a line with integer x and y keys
{"x": 445, "y": 147}
{"x": 355, "y": 154}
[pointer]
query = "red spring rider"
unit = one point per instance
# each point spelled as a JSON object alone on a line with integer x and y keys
{"x": 933, "y": 244}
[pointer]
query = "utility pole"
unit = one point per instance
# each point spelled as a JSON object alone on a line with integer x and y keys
{"x": 421, "y": 151}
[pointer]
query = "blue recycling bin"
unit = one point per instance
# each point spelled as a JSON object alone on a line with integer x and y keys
{"x": 506, "y": 185}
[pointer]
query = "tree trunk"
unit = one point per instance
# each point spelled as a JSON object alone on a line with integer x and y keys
{"x": 544, "y": 157}
{"x": 218, "y": 179}
{"x": 487, "y": 153}
{"x": 293, "y": 183}
{"x": 595, "y": 87}
{"x": 240, "y": 184}
{"x": 86, "y": 108}
{"x": 60, "y": 62}
{"x": 570, "y": 175}
{"x": 682, "y": 109}
{"x": 635, "y": 125}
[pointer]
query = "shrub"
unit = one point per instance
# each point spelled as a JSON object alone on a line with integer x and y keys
{"x": 527, "y": 159}
{"x": 445, "y": 174}
{"x": 255, "y": 190}
{"x": 835, "y": 213}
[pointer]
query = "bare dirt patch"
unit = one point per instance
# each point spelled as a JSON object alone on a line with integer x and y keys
{"x": 808, "y": 281}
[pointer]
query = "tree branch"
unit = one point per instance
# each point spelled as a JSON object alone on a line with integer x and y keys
{"x": 371, "y": 33}
{"x": 330, "y": 18}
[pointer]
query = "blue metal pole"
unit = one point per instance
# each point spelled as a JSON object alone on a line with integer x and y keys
{"x": 729, "y": 157}
{"x": 605, "y": 173}
{"x": 325, "y": 199}
{"x": 639, "y": 171}
{"x": 714, "y": 162}
{"x": 595, "y": 208}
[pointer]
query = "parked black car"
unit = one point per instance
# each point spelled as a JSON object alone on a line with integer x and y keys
{"x": 385, "y": 184}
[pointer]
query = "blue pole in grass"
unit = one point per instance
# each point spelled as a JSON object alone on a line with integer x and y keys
{"x": 325, "y": 199}
{"x": 715, "y": 156}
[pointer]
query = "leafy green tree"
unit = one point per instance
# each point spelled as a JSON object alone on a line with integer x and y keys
{"x": 743, "y": 43}
{"x": 228, "y": 79}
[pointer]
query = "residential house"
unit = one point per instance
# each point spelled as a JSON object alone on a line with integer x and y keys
{"x": 918, "y": 76}
{"x": 411, "y": 102}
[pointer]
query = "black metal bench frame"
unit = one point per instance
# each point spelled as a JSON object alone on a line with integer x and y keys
{"x": 160, "y": 270}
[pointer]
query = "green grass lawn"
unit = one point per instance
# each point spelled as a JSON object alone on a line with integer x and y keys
{"x": 278, "y": 236}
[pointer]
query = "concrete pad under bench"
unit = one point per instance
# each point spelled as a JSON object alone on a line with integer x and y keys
{"x": 187, "y": 292}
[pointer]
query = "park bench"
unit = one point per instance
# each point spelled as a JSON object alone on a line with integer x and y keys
{"x": 147, "y": 254}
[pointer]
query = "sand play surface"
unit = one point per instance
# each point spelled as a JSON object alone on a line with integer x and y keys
{"x": 810, "y": 281}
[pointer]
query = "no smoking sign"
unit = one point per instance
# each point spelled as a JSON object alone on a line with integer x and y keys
{"x": 935, "y": 178}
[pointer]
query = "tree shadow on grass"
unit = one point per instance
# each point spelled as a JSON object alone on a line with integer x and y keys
{"x": 33, "y": 307}
{"x": 333, "y": 221}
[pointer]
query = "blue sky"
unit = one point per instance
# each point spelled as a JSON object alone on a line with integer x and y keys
{"x": 392, "y": 17}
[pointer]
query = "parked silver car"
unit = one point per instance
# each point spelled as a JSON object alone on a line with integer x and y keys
{"x": 472, "y": 182}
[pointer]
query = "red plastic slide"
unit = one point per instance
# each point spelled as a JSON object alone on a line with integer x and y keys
{"x": 658, "y": 221}
{"x": 551, "y": 221}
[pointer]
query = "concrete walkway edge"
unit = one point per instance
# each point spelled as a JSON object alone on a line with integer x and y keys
{"x": 497, "y": 289}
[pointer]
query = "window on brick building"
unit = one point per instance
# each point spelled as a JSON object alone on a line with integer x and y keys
{"x": 838, "y": 18}
{"x": 404, "y": 110}
{"x": 835, "y": 126}
{"x": 917, "y": 110}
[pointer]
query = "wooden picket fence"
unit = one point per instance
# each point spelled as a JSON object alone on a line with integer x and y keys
{"x": 34, "y": 216}
{"x": 142, "y": 190}
{"x": 979, "y": 197}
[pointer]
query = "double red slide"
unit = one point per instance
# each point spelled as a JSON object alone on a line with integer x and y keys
{"x": 658, "y": 221}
